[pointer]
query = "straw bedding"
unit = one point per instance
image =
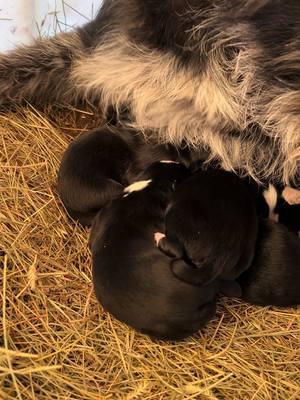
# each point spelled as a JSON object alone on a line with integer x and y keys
{"x": 57, "y": 342}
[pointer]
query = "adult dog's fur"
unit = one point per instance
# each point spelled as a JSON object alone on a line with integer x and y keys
{"x": 223, "y": 75}
{"x": 273, "y": 277}
{"x": 132, "y": 277}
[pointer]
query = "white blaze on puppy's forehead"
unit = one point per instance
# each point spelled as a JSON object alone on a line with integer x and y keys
{"x": 169, "y": 162}
{"x": 291, "y": 195}
{"x": 271, "y": 196}
{"x": 137, "y": 186}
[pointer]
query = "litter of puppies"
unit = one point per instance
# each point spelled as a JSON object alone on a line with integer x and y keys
{"x": 63, "y": 344}
{"x": 169, "y": 234}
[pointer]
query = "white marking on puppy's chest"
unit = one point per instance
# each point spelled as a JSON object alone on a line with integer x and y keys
{"x": 271, "y": 196}
{"x": 137, "y": 186}
{"x": 169, "y": 162}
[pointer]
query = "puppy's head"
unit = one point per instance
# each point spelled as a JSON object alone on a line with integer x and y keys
{"x": 165, "y": 173}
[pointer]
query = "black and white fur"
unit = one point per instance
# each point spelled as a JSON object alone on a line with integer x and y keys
{"x": 274, "y": 275}
{"x": 277, "y": 203}
{"x": 99, "y": 164}
{"x": 223, "y": 75}
{"x": 288, "y": 209}
{"x": 132, "y": 277}
{"x": 211, "y": 228}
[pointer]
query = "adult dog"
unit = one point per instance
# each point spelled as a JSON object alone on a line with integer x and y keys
{"x": 223, "y": 75}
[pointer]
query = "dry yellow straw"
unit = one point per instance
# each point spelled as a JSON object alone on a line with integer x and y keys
{"x": 58, "y": 344}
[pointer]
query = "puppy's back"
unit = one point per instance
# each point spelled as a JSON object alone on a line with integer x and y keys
{"x": 213, "y": 216}
{"x": 274, "y": 276}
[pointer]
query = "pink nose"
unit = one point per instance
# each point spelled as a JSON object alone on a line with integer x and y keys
{"x": 158, "y": 236}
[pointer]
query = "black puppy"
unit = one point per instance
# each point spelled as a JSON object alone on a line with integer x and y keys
{"x": 211, "y": 228}
{"x": 277, "y": 203}
{"x": 274, "y": 276}
{"x": 132, "y": 277}
{"x": 97, "y": 165}
{"x": 93, "y": 171}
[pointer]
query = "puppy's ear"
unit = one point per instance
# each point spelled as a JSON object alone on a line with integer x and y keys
{"x": 231, "y": 289}
{"x": 192, "y": 274}
{"x": 171, "y": 247}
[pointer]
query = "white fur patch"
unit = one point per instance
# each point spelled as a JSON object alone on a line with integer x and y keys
{"x": 271, "y": 196}
{"x": 291, "y": 196}
{"x": 158, "y": 236}
{"x": 169, "y": 162}
{"x": 137, "y": 186}
{"x": 201, "y": 109}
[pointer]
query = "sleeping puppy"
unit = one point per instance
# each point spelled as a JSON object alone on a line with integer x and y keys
{"x": 279, "y": 204}
{"x": 211, "y": 228}
{"x": 132, "y": 277}
{"x": 97, "y": 165}
{"x": 288, "y": 209}
{"x": 93, "y": 171}
{"x": 274, "y": 276}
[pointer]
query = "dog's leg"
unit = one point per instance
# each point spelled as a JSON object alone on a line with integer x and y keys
{"x": 171, "y": 247}
{"x": 40, "y": 73}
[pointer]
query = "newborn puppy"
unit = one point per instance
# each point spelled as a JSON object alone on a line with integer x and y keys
{"x": 93, "y": 171}
{"x": 132, "y": 277}
{"x": 274, "y": 276}
{"x": 97, "y": 165}
{"x": 288, "y": 209}
{"x": 211, "y": 228}
{"x": 278, "y": 204}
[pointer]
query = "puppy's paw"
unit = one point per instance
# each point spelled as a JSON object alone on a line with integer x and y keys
{"x": 171, "y": 247}
{"x": 192, "y": 274}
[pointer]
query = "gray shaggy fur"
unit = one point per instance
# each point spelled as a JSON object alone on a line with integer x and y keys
{"x": 222, "y": 75}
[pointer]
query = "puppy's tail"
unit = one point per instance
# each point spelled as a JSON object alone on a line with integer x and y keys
{"x": 40, "y": 73}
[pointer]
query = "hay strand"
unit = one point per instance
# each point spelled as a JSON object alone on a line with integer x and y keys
{"x": 59, "y": 344}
